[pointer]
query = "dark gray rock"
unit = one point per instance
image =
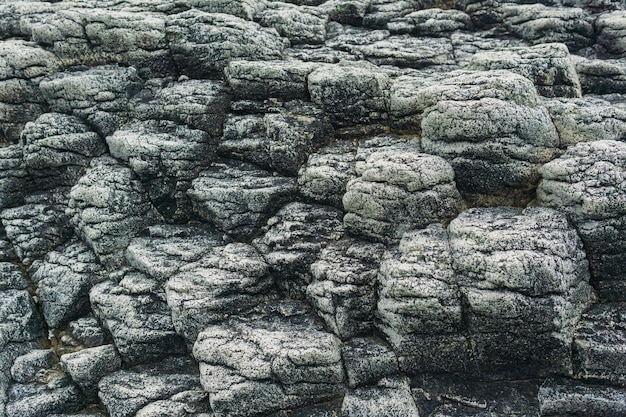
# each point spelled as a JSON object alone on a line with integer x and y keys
{"x": 245, "y": 9}
{"x": 22, "y": 66}
{"x": 599, "y": 344}
{"x": 298, "y": 24}
{"x": 492, "y": 129}
{"x": 88, "y": 366}
{"x": 349, "y": 12}
{"x": 431, "y": 22}
{"x": 566, "y": 397}
{"x": 380, "y": 12}
{"x": 100, "y": 95}
{"x": 549, "y": 66}
{"x": 587, "y": 184}
{"x": 259, "y": 367}
{"x": 56, "y": 394}
{"x": 238, "y": 198}
{"x": 368, "y": 360}
{"x": 390, "y": 397}
{"x": 602, "y": 76}
{"x": 343, "y": 291}
{"x": 166, "y": 157}
{"x": 611, "y": 31}
{"x": 292, "y": 240}
{"x": 201, "y": 104}
{"x": 107, "y": 208}
{"x": 87, "y": 332}
{"x": 26, "y": 368}
{"x": 133, "y": 308}
{"x": 19, "y": 16}
{"x": 11, "y": 277}
{"x": 227, "y": 281}
{"x": 64, "y": 279}
{"x": 57, "y": 148}
{"x": 467, "y": 44}
{"x": 398, "y": 191}
{"x": 14, "y": 178}
{"x": 203, "y": 43}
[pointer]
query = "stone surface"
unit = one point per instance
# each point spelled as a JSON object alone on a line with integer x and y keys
{"x": 367, "y": 360}
{"x": 88, "y": 366}
{"x": 567, "y": 397}
{"x": 299, "y": 25}
{"x": 390, "y": 397}
{"x": 611, "y": 30}
{"x": 13, "y": 176}
{"x": 431, "y": 22}
{"x": 602, "y": 76}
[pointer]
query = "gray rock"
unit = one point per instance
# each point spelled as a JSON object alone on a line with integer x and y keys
{"x": 13, "y": 176}
{"x": 134, "y": 310}
{"x": 227, "y": 281}
{"x": 19, "y": 317}
{"x": 537, "y": 24}
{"x": 57, "y": 148}
{"x": 586, "y": 120}
{"x": 602, "y": 76}
{"x": 26, "y": 368}
{"x": 22, "y": 66}
{"x": 491, "y": 128}
{"x": 238, "y": 198}
{"x": 64, "y": 279}
{"x": 600, "y": 342}
{"x": 587, "y": 184}
{"x": 204, "y": 43}
{"x": 277, "y": 141}
{"x": 38, "y": 226}
{"x": 292, "y": 240}
{"x": 54, "y": 395}
{"x": 11, "y": 277}
{"x": 368, "y": 360}
{"x": 107, "y": 208}
{"x": 167, "y": 248}
{"x": 572, "y": 398}
{"x": 390, "y": 397}
{"x": 549, "y": 66}
{"x": 201, "y": 104}
{"x": 245, "y": 9}
{"x": 260, "y": 367}
{"x": 318, "y": 53}
{"x": 166, "y": 157}
{"x": 88, "y": 366}
{"x": 98, "y": 95}
{"x": 380, "y": 12}
{"x": 343, "y": 291}
{"x": 141, "y": 392}
{"x": 349, "y": 12}
{"x": 19, "y": 16}
{"x": 87, "y": 332}
{"x": 430, "y": 22}
{"x": 397, "y": 191}
{"x": 97, "y": 36}
{"x": 351, "y": 94}
{"x": 611, "y": 31}
{"x": 267, "y": 79}
{"x": 467, "y": 44}
{"x": 299, "y": 25}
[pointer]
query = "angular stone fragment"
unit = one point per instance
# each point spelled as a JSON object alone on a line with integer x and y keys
{"x": 55, "y": 394}
{"x": 13, "y": 176}
{"x": 26, "y": 368}
{"x": 22, "y": 66}
{"x": 201, "y": 104}
{"x": 204, "y": 43}
{"x": 491, "y": 128}
{"x": 98, "y": 95}
{"x": 299, "y": 25}
{"x": 398, "y": 191}
{"x": 558, "y": 396}
{"x": 107, "y": 208}
{"x": 166, "y": 157}
{"x": 343, "y": 291}
{"x": 133, "y": 309}
{"x": 390, "y": 397}
{"x": 602, "y": 76}
{"x": 64, "y": 279}
{"x": 227, "y": 281}
{"x": 88, "y": 366}
{"x": 260, "y": 367}
{"x": 57, "y": 149}
{"x": 367, "y": 360}
{"x": 587, "y": 183}
{"x": 430, "y": 22}
{"x": 549, "y": 66}
{"x": 87, "y": 332}
{"x": 381, "y": 12}
{"x": 611, "y": 31}
{"x": 600, "y": 344}
{"x": 292, "y": 240}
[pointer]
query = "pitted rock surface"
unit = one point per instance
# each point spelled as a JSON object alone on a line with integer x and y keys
{"x": 312, "y": 208}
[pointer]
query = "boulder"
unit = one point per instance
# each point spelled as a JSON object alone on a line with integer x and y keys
{"x": 88, "y": 366}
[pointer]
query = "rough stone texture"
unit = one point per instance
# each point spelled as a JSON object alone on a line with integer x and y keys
{"x": 107, "y": 208}
{"x": 203, "y": 43}
{"x": 238, "y": 198}
{"x": 245, "y": 9}
{"x": 587, "y": 183}
{"x": 133, "y": 308}
{"x": 565, "y": 397}
{"x": 227, "y": 281}
{"x": 299, "y": 25}
{"x": 292, "y": 240}
{"x": 13, "y": 176}
{"x": 259, "y": 367}
{"x": 390, "y": 397}
{"x": 87, "y": 332}
{"x": 602, "y": 76}
{"x": 57, "y": 148}
{"x": 548, "y": 66}
{"x": 367, "y": 360}
{"x": 399, "y": 191}
{"x": 431, "y": 22}
{"x": 98, "y": 95}
{"x": 166, "y": 157}
{"x": 88, "y": 366}
{"x": 22, "y": 66}
{"x": 493, "y": 131}
{"x": 26, "y": 368}
{"x": 55, "y": 394}
{"x": 64, "y": 279}
{"x": 611, "y": 31}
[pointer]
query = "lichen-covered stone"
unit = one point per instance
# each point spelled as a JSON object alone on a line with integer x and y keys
{"x": 602, "y": 76}
{"x": 390, "y": 397}
{"x": 88, "y": 366}
{"x": 431, "y": 22}
{"x": 13, "y": 176}
{"x": 558, "y": 396}
{"x": 611, "y": 31}
{"x": 299, "y": 25}
{"x": 367, "y": 360}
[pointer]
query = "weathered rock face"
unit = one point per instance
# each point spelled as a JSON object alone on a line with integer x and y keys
{"x": 312, "y": 208}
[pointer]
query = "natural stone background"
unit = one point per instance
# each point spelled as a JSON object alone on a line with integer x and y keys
{"x": 310, "y": 208}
